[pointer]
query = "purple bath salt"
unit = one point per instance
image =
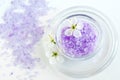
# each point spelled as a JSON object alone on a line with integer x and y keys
{"x": 82, "y": 45}
{"x": 21, "y": 29}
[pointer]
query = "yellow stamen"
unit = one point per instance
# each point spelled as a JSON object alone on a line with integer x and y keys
{"x": 74, "y": 26}
{"x": 52, "y": 39}
{"x": 54, "y": 54}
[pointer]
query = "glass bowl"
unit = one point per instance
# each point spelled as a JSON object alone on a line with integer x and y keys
{"x": 99, "y": 53}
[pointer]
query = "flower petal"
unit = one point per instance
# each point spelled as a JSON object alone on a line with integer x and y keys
{"x": 74, "y": 20}
{"x": 79, "y": 26}
{"x": 52, "y": 60}
{"x": 68, "y": 32}
{"x": 77, "y": 33}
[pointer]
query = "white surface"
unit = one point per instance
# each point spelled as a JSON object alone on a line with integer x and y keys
{"x": 110, "y": 8}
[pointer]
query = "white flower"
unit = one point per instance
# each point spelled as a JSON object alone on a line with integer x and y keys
{"x": 54, "y": 57}
{"x": 54, "y": 60}
{"x": 52, "y": 52}
{"x": 76, "y": 26}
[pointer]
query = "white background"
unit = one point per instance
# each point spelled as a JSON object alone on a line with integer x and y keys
{"x": 111, "y": 8}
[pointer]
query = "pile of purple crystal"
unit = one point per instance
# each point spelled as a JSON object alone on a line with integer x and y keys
{"x": 21, "y": 28}
{"x": 77, "y": 47}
